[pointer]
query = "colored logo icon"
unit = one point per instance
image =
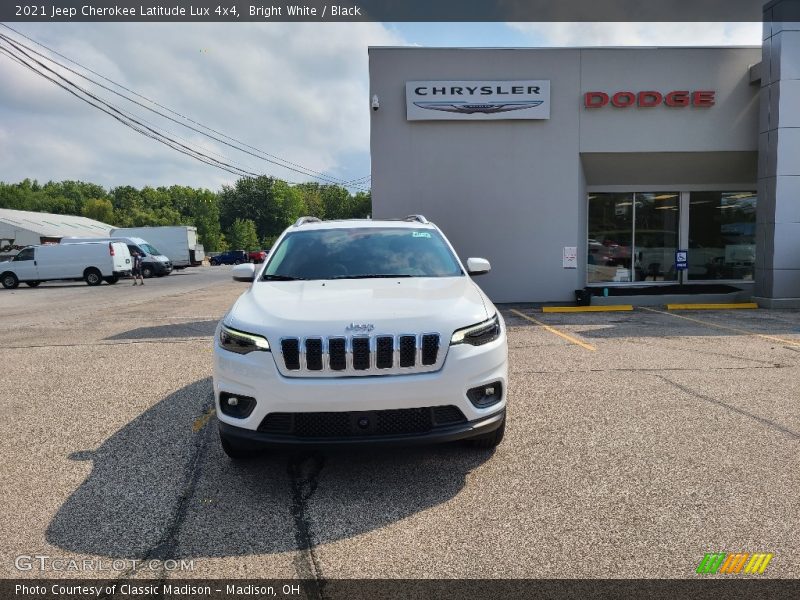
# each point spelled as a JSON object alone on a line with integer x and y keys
{"x": 734, "y": 563}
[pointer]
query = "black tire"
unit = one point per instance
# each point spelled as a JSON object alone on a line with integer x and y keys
{"x": 237, "y": 262}
{"x": 147, "y": 271}
{"x": 233, "y": 450}
{"x": 32, "y": 283}
{"x": 111, "y": 280}
{"x": 92, "y": 276}
{"x": 490, "y": 440}
{"x": 10, "y": 281}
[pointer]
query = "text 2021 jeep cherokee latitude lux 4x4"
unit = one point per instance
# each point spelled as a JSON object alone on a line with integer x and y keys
{"x": 360, "y": 331}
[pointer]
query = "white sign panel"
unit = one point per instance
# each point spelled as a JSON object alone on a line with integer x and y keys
{"x": 569, "y": 258}
{"x": 477, "y": 100}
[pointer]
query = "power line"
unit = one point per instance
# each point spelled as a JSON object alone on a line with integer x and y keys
{"x": 19, "y": 47}
{"x": 131, "y": 122}
{"x": 266, "y": 156}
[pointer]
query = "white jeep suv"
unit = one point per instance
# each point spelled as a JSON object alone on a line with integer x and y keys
{"x": 360, "y": 331}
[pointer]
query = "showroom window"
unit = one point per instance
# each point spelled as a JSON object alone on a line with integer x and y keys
{"x": 722, "y": 235}
{"x": 633, "y": 237}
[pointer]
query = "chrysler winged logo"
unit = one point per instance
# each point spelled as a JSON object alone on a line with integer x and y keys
{"x": 361, "y": 327}
{"x": 469, "y": 108}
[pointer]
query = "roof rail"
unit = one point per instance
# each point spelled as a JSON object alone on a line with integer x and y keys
{"x": 417, "y": 218}
{"x": 304, "y": 220}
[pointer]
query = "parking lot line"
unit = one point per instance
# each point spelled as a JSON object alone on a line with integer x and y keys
{"x": 735, "y": 305}
{"x": 725, "y": 327}
{"x": 555, "y": 331}
{"x": 579, "y": 309}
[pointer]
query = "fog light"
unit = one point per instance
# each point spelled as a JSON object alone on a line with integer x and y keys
{"x": 486, "y": 395}
{"x": 236, "y": 406}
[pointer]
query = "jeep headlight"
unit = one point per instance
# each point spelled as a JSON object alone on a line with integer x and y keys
{"x": 241, "y": 342}
{"x": 478, "y": 334}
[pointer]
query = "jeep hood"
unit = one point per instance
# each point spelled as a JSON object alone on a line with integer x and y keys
{"x": 278, "y": 309}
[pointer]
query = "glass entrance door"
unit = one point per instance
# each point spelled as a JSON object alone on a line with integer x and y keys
{"x": 633, "y": 237}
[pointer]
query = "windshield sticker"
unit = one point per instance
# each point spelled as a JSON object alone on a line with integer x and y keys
{"x": 421, "y": 234}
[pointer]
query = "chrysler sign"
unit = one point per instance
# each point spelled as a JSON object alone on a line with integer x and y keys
{"x": 477, "y": 100}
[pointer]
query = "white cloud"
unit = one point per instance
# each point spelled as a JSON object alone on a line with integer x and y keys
{"x": 641, "y": 34}
{"x": 296, "y": 90}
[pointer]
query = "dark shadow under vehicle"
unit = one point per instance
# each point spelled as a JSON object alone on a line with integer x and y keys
{"x": 161, "y": 487}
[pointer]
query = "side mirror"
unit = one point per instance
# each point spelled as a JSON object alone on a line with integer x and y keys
{"x": 478, "y": 266}
{"x": 245, "y": 272}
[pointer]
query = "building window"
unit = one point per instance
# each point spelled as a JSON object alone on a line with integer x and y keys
{"x": 722, "y": 235}
{"x": 632, "y": 237}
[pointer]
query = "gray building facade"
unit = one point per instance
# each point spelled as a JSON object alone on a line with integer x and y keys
{"x": 643, "y": 154}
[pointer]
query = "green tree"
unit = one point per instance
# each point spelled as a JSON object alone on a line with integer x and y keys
{"x": 242, "y": 235}
{"x": 270, "y": 203}
{"x": 99, "y": 209}
{"x": 361, "y": 206}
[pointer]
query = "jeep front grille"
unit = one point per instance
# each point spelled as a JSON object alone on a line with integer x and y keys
{"x": 360, "y": 355}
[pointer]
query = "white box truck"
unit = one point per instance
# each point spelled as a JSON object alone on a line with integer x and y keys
{"x": 178, "y": 243}
{"x": 94, "y": 262}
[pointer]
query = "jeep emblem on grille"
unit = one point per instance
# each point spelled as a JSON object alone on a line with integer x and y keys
{"x": 367, "y": 327}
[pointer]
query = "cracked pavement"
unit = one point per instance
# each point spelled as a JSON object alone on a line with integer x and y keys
{"x": 672, "y": 438}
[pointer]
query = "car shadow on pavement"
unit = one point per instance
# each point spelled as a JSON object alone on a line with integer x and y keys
{"x": 172, "y": 330}
{"x": 161, "y": 487}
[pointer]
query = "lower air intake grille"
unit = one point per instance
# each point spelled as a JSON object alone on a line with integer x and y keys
{"x": 356, "y": 424}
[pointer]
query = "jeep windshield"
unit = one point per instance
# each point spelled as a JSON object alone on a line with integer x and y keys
{"x": 361, "y": 253}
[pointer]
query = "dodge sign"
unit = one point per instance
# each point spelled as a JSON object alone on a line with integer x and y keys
{"x": 477, "y": 100}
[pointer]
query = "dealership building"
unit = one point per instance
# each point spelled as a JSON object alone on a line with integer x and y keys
{"x": 623, "y": 170}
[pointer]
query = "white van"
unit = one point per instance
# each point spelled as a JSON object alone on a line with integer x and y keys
{"x": 94, "y": 262}
{"x": 154, "y": 264}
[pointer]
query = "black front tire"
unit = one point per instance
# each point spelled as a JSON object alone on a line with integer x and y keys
{"x": 92, "y": 277}
{"x": 490, "y": 440}
{"x": 10, "y": 281}
{"x": 32, "y": 283}
{"x": 233, "y": 449}
{"x": 112, "y": 280}
{"x": 147, "y": 271}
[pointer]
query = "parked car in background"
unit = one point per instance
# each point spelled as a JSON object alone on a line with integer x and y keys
{"x": 230, "y": 257}
{"x": 94, "y": 262}
{"x": 178, "y": 243}
{"x": 153, "y": 264}
{"x": 257, "y": 256}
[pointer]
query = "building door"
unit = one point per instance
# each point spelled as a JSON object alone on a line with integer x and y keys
{"x": 633, "y": 237}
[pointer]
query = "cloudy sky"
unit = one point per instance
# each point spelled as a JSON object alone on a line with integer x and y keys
{"x": 298, "y": 91}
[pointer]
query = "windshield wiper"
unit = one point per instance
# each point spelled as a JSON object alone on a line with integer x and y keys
{"x": 281, "y": 278}
{"x": 371, "y": 276}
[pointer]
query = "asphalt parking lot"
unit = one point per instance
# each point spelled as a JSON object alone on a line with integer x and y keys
{"x": 637, "y": 442}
